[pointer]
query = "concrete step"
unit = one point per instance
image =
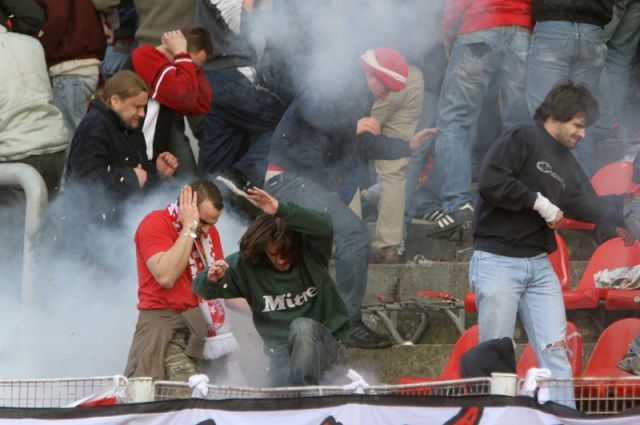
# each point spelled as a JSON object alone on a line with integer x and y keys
{"x": 459, "y": 247}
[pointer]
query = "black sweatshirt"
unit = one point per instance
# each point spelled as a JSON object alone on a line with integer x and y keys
{"x": 523, "y": 161}
{"x": 596, "y": 12}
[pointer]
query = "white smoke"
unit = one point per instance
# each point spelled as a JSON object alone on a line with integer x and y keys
{"x": 81, "y": 320}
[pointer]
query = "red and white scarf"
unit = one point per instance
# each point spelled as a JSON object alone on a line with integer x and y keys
{"x": 220, "y": 340}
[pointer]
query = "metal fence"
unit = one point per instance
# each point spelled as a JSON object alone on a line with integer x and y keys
{"x": 166, "y": 390}
{"x": 605, "y": 395}
{"x": 54, "y": 392}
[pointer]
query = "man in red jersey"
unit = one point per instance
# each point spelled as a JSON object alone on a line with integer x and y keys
{"x": 172, "y": 246}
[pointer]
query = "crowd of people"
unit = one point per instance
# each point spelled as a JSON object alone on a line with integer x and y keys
{"x": 105, "y": 97}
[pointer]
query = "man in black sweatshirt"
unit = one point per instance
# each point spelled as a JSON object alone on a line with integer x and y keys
{"x": 567, "y": 42}
{"x": 529, "y": 180}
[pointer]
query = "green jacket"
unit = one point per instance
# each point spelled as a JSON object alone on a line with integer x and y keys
{"x": 275, "y": 297}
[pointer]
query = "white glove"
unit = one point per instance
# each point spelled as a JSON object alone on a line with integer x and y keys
{"x": 545, "y": 208}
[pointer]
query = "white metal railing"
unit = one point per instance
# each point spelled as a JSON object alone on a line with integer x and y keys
{"x": 605, "y": 396}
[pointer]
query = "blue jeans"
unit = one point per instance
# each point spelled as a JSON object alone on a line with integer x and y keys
{"x": 310, "y": 351}
{"x": 71, "y": 95}
{"x": 622, "y": 34}
{"x": 350, "y": 234}
{"x": 560, "y": 50}
{"x": 238, "y": 128}
{"x": 477, "y": 58}
{"x": 508, "y": 286}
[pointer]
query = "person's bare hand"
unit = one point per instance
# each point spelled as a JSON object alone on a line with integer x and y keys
{"x": 368, "y": 125}
{"x": 626, "y": 235}
{"x": 141, "y": 174}
{"x": 263, "y": 200}
{"x": 166, "y": 164}
{"x": 174, "y": 42}
{"x": 217, "y": 270}
{"x": 188, "y": 207}
{"x": 420, "y": 137}
{"x": 555, "y": 223}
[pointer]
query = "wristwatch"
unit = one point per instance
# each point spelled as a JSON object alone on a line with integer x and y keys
{"x": 191, "y": 230}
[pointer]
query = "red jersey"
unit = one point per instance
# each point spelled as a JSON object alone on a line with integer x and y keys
{"x": 155, "y": 234}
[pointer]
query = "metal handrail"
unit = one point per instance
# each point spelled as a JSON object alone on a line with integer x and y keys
{"x": 35, "y": 191}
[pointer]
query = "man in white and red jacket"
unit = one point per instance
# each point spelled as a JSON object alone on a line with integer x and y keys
{"x": 487, "y": 40}
{"x": 177, "y": 88}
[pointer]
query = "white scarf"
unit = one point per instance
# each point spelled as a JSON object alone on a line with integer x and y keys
{"x": 220, "y": 340}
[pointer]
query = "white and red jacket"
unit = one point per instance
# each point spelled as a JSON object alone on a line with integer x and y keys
{"x": 179, "y": 86}
{"x": 465, "y": 16}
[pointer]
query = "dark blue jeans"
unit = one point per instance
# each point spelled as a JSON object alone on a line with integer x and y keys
{"x": 350, "y": 234}
{"x": 238, "y": 128}
{"x": 311, "y": 351}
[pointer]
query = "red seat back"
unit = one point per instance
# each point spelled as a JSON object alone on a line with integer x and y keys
{"x": 574, "y": 344}
{"x": 467, "y": 341}
{"x": 610, "y": 254}
{"x": 560, "y": 262}
{"x": 611, "y": 346}
{"x": 613, "y": 179}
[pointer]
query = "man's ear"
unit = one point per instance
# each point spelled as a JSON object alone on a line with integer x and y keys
{"x": 115, "y": 100}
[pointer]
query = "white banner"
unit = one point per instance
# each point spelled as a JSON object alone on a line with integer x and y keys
{"x": 266, "y": 412}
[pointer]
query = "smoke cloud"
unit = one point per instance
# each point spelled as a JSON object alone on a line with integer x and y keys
{"x": 81, "y": 320}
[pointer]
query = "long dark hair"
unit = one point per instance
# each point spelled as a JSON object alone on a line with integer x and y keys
{"x": 264, "y": 230}
{"x": 566, "y": 100}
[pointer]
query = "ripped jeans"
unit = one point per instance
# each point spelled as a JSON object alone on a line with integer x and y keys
{"x": 528, "y": 287}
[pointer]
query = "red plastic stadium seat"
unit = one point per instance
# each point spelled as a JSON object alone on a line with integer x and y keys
{"x": 612, "y": 179}
{"x": 622, "y": 299}
{"x": 611, "y": 346}
{"x": 574, "y": 344}
{"x": 571, "y": 224}
{"x": 610, "y": 254}
{"x": 467, "y": 340}
{"x": 559, "y": 261}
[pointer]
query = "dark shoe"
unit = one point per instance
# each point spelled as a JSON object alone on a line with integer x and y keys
{"x": 237, "y": 185}
{"x": 360, "y": 336}
{"x": 630, "y": 363}
{"x": 387, "y": 255}
{"x": 428, "y": 218}
{"x": 461, "y": 218}
{"x": 234, "y": 180}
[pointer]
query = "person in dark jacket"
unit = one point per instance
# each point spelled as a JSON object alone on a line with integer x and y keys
{"x": 567, "y": 42}
{"x": 243, "y": 114}
{"x": 108, "y": 160}
{"x": 528, "y": 182}
{"x": 282, "y": 271}
{"x": 316, "y": 154}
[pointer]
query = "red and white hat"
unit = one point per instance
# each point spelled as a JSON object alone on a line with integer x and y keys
{"x": 387, "y": 65}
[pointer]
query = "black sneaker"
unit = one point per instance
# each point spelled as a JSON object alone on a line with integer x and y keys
{"x": 235, "y": 181}
{"x": 237, "y": 184}
{"x": 461, "y": 218}
{"x": 429, "y": 218}
{"x": 360, "y": 336}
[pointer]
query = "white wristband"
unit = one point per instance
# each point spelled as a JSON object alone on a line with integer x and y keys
{"x": 545, "y": 208}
